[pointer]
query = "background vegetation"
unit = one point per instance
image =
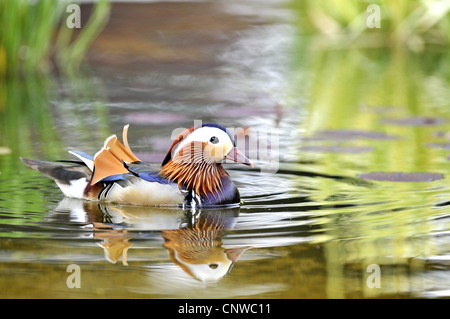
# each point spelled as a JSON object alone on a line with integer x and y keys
{"x": 36, "y": 47}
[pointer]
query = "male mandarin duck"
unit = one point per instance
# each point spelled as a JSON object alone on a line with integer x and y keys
{"x": 191, "y": 174}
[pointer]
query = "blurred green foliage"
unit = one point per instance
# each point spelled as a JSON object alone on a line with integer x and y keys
{"x": 36, "y": 46}
{"x": 352, "y": 77}
{"x": 33, "y": 32}
{"x": 407, "y": 23}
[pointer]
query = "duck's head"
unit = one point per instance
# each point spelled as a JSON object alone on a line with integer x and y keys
{"x": 195, "y": 157}
{"x": 209, "y": 143}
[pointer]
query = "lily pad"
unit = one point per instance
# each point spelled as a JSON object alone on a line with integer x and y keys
{"x": 337, "y": 149}
{"x": 440, "y": 134}
{"x": 401, "y": 177}
{"x": 350, "y": 135}
{"x": 439, "y": 145}
{"x": 415, "y": 121}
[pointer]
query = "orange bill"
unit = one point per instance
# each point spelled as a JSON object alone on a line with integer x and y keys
{"x": 236, "y": 156}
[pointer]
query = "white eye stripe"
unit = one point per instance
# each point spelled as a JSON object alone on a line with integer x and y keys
{"x": 203, "y": 134}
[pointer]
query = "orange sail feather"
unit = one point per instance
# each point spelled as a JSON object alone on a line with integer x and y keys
{"x": 109, "y": 160}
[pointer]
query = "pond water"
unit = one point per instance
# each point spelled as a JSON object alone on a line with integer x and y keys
{"x": 353, "y": 202}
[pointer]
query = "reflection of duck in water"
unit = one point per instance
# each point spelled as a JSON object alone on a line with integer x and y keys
{"x": 198, "y": 249}
{"x": 115, "y": 242}
{"x": 195, "y": 246}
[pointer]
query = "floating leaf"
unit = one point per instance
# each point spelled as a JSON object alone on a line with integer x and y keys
{"x": 440, "y": 134}
{"x": 415, "y": 121}
{"x": 350, "y": 135}
{"x": 337, "y": 149}
{"x": 439, "y": 145}
{"x": 401, "y": 177}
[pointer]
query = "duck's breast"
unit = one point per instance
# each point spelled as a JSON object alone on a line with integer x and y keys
{"x": 228, "y": 194}
{"x": 136, "y": 191}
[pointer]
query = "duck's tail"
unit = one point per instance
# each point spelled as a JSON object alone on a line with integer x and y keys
{"x": 71, "y": 177}
{"x": 76, "y": 179}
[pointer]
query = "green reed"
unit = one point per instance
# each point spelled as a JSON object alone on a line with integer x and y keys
{"x": 28, "y": 30}
{"x": 36, "y": 45}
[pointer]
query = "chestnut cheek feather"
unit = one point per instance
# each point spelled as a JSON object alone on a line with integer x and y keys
{"x": 194, "y": 169}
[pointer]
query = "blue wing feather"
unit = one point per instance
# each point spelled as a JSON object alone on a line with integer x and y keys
{"x": 142, "y": 170}
{"x": 82, "y": 155}
{"x": 146, "y": 172}
{"x": 150, "y": 176}
{"x": 116, "y": 178}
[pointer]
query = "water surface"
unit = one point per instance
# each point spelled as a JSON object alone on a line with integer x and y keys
{"x": 362, "y": 176}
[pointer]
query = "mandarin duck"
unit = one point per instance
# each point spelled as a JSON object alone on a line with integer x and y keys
{"x": 191, "y": 174}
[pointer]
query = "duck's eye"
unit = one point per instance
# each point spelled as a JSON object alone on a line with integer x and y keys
{"x": 214, "y": 140}
{"x": 213, "y": 266}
